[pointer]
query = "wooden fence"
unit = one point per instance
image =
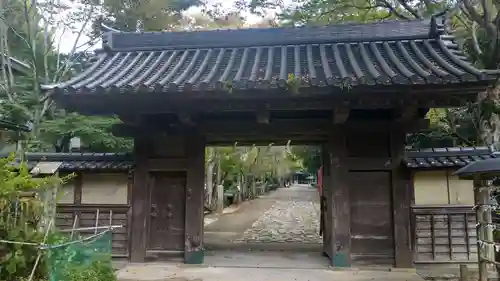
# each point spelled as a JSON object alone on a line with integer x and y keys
{"x": 444, "y": 234}
{"x": 108, "y": 215}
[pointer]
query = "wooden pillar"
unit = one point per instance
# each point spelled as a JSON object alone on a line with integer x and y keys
{"x": 401, "y": 199}
{"x": 139, "y": 203}
{"x": 326, "y": 214}
{"x": 338, "y": 198}
{"x": 483, "y": 229}
{"x": 194, "y": 252}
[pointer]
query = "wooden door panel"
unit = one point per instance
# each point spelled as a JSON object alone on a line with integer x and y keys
{"x": 167, "y": 219}
{"x": 371, "y": 217}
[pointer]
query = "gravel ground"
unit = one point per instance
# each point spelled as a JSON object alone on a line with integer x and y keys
{"x": 286, "y": 221}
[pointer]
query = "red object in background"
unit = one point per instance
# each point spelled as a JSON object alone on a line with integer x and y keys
{"x": 320, "y": 180}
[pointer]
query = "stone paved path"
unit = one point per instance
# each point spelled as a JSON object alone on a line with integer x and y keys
{"x": 293, "y": 218}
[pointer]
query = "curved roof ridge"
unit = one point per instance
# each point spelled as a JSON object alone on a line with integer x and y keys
{"x": 248, "y": 37}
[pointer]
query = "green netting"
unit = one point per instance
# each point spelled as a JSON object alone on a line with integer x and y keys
{"x": 82, "y": 259}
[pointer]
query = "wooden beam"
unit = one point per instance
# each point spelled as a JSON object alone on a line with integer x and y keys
{"x": 267, "y": 138}
{"x": 407, "y": 113}
{"x": 230, "y": 127}
{"x": 371, "y": 164}
{"x": 426, "y": 96}
{"x": 263, "y": 115}
{"x": 261, "y": 142}
{"x": 131, "y": 118}
{"x": 277, "y": 127}
{"x": 186, "y": 119}
{"x": 166, "y": 164}
{"x": 341, "y": 113}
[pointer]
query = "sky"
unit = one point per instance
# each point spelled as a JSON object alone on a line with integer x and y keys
{"x": 67, "y": 38}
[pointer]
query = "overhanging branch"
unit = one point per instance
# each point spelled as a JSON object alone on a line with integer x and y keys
{"x": 473, "y": 13}
{"x": 411, "y": 10}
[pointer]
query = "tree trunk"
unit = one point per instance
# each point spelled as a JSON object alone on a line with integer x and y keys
{"x": 245, "y": 187}
{"x": 209, "y": 178}
{"x": 219, "y": 202}
{"x": 238, "y": 194}
{"x": 253, "y": 187}
{"x": 220, "y": 198}
{"x": 489, "y": 130}
{"x": 49, "y": 197}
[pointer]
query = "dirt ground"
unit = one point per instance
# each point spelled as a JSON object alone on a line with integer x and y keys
{"x": 229, "y": 227}
{"x": 165, "y": 272}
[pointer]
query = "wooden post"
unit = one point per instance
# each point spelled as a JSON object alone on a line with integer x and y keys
{"x": 464, "y": 273}
{"x": 139, "y": 202}
{"x": 96, "y": 221}
{"x": 338, "y": 198}
{"x": 481, "y": 200}
{"x": 401, "y": 198}
{"x": 327, "y": 215}
{"x": 194, "y": 252}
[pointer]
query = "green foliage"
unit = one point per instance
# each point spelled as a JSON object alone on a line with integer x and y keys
{"x": 30, "y": 39}
{"x": 15, "y": 179}
{"x": 21, "y": 217}
{"x": 154, "y": 15}
{"x": 248, "y": 165}
{"x": 310, "y": 157}
{"x": 21, "y": 213}
{"x": 94, "y": 132}
{"x": 96, "y": 271}
{"x": 25, "y": 42}
{"x": 448, "y": 127}
{"x": 89, "y": 260}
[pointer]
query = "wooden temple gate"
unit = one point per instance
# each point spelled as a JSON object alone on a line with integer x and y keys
{"x": 357, "y": 90}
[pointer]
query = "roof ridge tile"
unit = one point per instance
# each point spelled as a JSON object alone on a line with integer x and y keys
{"x": 247, "y": 37}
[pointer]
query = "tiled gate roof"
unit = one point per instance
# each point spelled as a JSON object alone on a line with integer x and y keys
{"x": 345, "y": 55}
{"x": 453, "y": 157}
{"x": 83, "y": 161}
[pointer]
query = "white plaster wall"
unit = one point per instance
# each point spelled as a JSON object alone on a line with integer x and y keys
{"x": 441, "y": 187}
{"x": 461, "y": 191}
{"x": 430, "y": 188}
{"x": 104, "y": 188}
